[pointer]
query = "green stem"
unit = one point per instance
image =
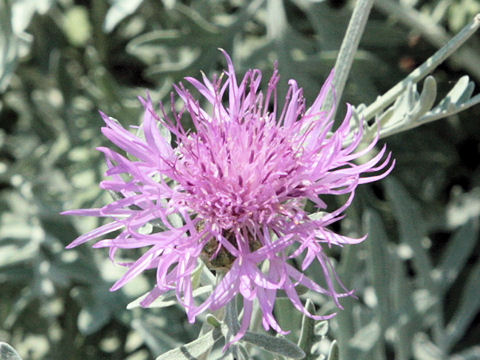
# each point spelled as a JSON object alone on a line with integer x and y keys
{"x": 348, "y": 49}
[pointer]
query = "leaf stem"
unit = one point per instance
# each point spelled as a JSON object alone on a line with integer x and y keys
{"x": 430, "y": 117}
{"x": 423, "y": 70}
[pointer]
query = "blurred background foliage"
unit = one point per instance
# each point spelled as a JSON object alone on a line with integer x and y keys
{"x": 61, "y": 61}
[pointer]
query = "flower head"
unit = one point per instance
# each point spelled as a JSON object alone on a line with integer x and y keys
{"x": 236, "y": 187}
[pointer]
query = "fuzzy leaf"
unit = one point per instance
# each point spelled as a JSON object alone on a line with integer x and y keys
{"x": 334, "y": 353}
{"x": 321, "y": 328}
{"x": 379, "y": 264}
{"x": 307, "y": 332}
{"x": 412, "y": 229}
{"x": 366, "y": 337}
{"x": 427, "y": 97}
{"x": 472, "y": 353}
{"x": 8, "y": 353}
{"x": 461, "y": 92}
{"x": 77, "y": 27}
{"x": 288, "y": 317}
{"x": 469, "y": 305}
{"x": 193, "y": 350}
{"x": 212, "y": 320}
{"x": 456, "y": 254}
{"x": 8, "y": 46}
{"x": 277, "y": 345}
{"x": 167, "y": 299}
{"x": 404, "y": 326}
{"x": 119, "y": 10}
{"x": 424, "y": 349}
{"x": 150, "y": 330}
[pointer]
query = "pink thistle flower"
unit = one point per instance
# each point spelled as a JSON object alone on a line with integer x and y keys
{"x": 239, "y": 183}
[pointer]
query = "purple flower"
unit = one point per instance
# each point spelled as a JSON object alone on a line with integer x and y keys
{"x": 239, "y": 183}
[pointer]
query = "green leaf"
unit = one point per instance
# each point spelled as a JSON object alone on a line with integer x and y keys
{"x": 231, "y": 318}
{"x": 307, "y": 332}
{"x": 321, "y": 328}
{"x": 99, "y": 305}
{"x": 92, "y": 319}
{"x": 424, "y": 349}
{"x": 23, "y": 12}
{"x": 19, "y": 305}
{"x": 469, "y": 305}
{"x": 456, "y": 254}
{"x": 8, "y": 353}
{"x": 461, "y": 92}
{"x": 8, "y": 46}
{"x": 195, "y": 53}
{"x": 412, "y": 230}
{"x": 153, "y": 334}
{"x": 230, "y": 356}
{"x": 241, "y": 353}
{"x": 119, "y": 10}
{"x": 277, "y": 345}
{"x": 196, "y": 348}
{"x": 472, "y": 353}
{"x": 175, "y": 220}
{"x": 333, "y": 353}
{"x": 287, "y": 316}
{"x": 76, "y": 26}
{"x": 212, "y": 320}
{"x": 300, "y": 289}
{"x": 404, "y": 327}
{"x": 427, "y": 97}
{"x": 379, "y": 264}
{"x": 409, "y": 107}
{"x": 366, "y": 338}
{"x": 168, "y": 299}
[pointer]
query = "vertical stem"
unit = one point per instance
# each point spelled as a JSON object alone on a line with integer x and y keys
{"x": 348, "y": 49}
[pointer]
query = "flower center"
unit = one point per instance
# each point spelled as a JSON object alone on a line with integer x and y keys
{"x": 239, "y": 170}
{"x": 217, "y": 258}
